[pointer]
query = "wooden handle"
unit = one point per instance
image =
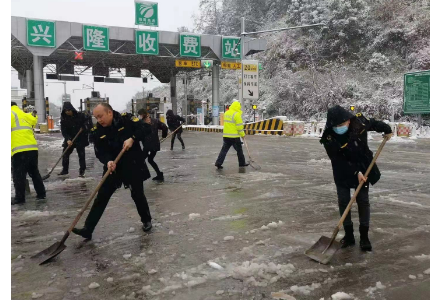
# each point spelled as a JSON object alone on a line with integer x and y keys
{"x": 170, "y": 134}
{"x": 65, "y": 151}
{"x": 94, "y": 193}
{"x": 360, "y": 185}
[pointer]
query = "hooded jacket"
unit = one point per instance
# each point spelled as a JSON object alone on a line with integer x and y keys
{"x": 70, "y": 125}
{"x": 349, "y": 153}
{"x": 151, "y": 142}
{"x": 233, "y": 124}
{"x": 174, "y": 121}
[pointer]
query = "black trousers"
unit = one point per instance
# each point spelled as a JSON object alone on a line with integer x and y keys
{"x": 150, "y": 156}
{"x": 106, "y": 191}
{"x": 81, "y": 150}
{"x": 364, "y": 208}
{"x": 179, "y": 138}
{"x": 237, "y": 145}
{"x": 26, "y": 163}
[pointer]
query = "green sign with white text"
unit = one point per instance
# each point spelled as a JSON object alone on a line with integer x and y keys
{"x": 146, "y": 13}
{"x": 417, "y": 93}
{"x": 95, "y": 38}
{"x": 230, "y": 48}
{"x": 190, "y": 45}
{"x": 40, "y": 33}
{"x": 147, "y": 42}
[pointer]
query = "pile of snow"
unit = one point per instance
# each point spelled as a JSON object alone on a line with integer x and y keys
{"x": 412, "y": 276}
{"x": 32, "y": 214}
{"x": 262, "y": 274}
{"x": 322, "y": 161}
{"x": 127, "y": 256}
{"x": 36, "y": 295}
{"x": 272, "y": 225}
{"x": 193, "y": 216}
{"x": 224, "y": 218}
{"x": 427, "y": 272}
{"x": 341, "y": 296}
{"x": 422, "y": 257}
{"x": 110, "y": 279}
{"x": 229, "y": 238}
{"x": 378, "y": 286}
{"x": 94, "y": 285}
{"x": 401, "y": 140}
{"x": 306, "y": 289}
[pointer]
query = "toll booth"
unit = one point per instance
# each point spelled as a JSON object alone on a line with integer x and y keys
{"x": 92, "y": 102}
{"x": 150, "y": 104}
{"x": 193, "y": 105}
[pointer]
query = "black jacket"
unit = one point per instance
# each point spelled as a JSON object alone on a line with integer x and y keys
{"x": 70, "y": 125}
{"x": 349, "y": 152}
{"x": 108, "y": 143}
{"x": 174, "y": 121}
{"x": 151, "y": 142}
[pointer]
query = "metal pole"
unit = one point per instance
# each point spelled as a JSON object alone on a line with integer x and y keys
{"x": 29, "y": 84}
{"x": 173, "y": 94}
{"x": 254, "y": 116}
{"x": 39, "y": 88}
{"x": 184, "y": 103}
{"x": 242, "y": 57}
{"x": 215, "y": 93}
{"x": 420, "y": 120}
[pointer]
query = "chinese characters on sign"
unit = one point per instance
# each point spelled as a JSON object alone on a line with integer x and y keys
{"x": 147, "y": 42}
{"x": 188, "y": 63}
{"x": 250, "y": 79}
{"x": 231, "y": 48}
{"x": 231, "y": 65}
{"x": 95, "y": 38}
{"x": 190, "y": 45}
{"x": 40, "y": 33}
{"x": 417, "y": 93}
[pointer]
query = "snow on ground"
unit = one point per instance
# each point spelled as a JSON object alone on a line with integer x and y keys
{"x": 341, "y": 296}
{"x": 377, "y": 286}
{"x": 306, "y": 289}
{"x": 422, "y": 257}
{"x": 193, "y": 216}
{"x": 322, "y": 161}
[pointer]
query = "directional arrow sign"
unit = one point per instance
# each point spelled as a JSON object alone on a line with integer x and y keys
{"x": 250, "y": 79}
{"x": 207, "y": 64}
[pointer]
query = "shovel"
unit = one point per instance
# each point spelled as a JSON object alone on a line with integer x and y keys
{"x": 252, "y": 162}
{"x": 49, "y": 253}
{"x": 325, "y": 248}
{"x": 49, "y": 174}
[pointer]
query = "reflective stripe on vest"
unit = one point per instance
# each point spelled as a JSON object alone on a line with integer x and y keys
{"x": 17, "y": 124}
{"x": 23, "y": 147}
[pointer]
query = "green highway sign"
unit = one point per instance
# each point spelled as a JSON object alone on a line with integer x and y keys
{"x": 190, "y": 45}
{"x": 230, "y": 47}
{"x": 147, "y": 42}
{"x": 40, "y": 33}
{"x": 146, "y": 13}
{"x": 95, "y": 38}
{"x": 207, "y": 63}
{"x": 416, "y": 96}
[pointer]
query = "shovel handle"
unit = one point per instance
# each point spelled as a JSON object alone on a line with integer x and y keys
{"x": 246, "y": 146}
{"x": 360, "y": 185}
{"x": 170, "y": 134}
{"x": 92, "y": 196}
{"x": 64, "y": 152}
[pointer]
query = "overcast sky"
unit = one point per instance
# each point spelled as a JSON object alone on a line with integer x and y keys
{"x": 172, "y": 14}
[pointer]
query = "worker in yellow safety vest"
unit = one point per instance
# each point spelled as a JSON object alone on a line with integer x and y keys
{"x": 24, "y": 153}
{"x": 233, "y": 131}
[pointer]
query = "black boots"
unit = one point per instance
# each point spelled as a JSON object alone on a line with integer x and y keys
{"x": 159, "y": 177}
{"x": 63, "y": 172}
{"x": 219, "y": 166}
{"x": 245, "y": 165}
{"x": 365, "y": 244}
{"x": 183, "y": 147}
{"x": 82, "y": 172}
{"x": 147, "y": 226}
{"x": 348, "y": 239}
{"x": 84, "y": 232}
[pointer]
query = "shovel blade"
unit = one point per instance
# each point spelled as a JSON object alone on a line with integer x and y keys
{"x": 254, "y": 165}
{"x": 46, "y": 176}
{"x": 316, "y": 251}
{"x": 47, "y": 254}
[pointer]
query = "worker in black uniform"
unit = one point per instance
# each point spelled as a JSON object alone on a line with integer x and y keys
{"x": 151, "y": 144}
{"x": 71, "y": 123}
{"x": 345, "y": 142}
{"x": 112, "y": 133}
{"x": 174, "y": 122}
